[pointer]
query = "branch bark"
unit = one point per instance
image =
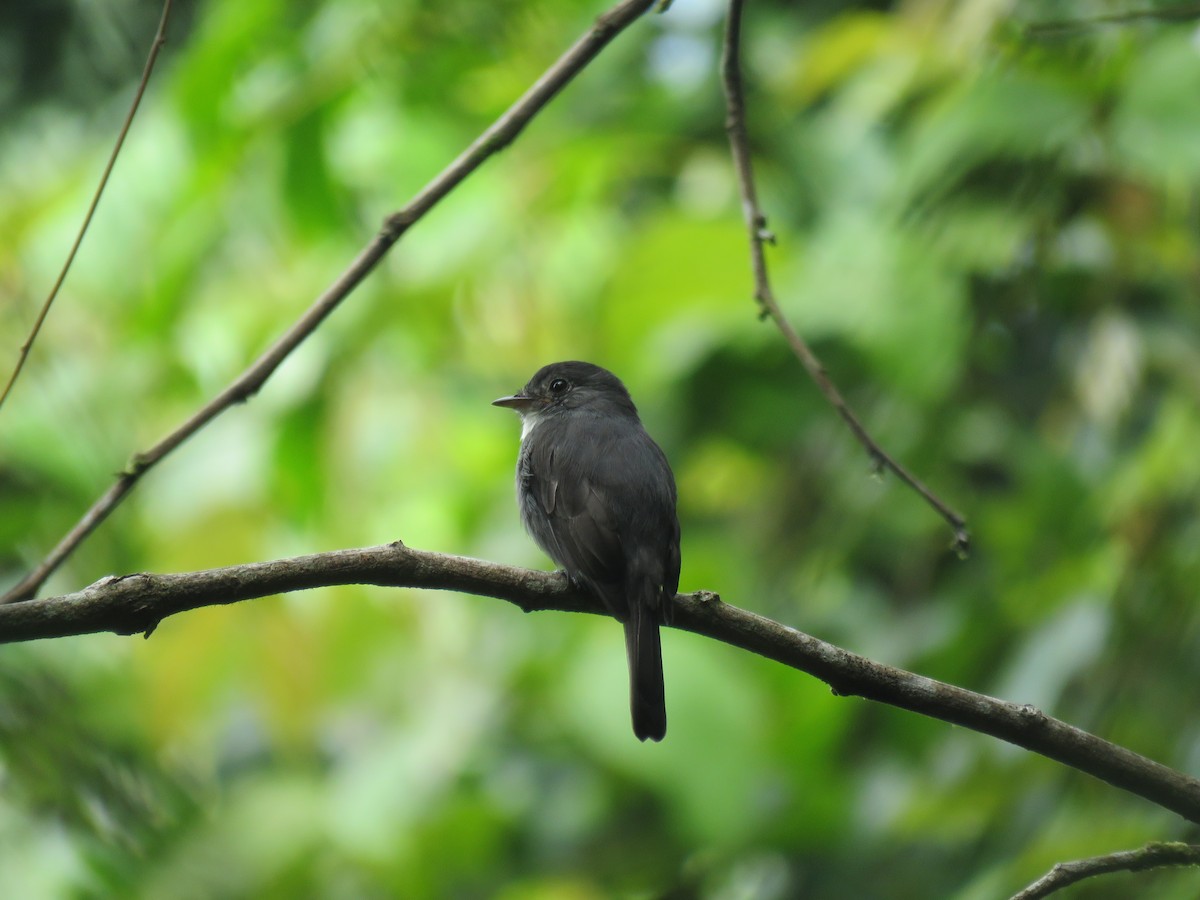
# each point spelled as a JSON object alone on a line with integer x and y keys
{"x": 1152, "y": 856}
{"x": 756, "y": 226}
{"x": 498, "y": 136}
{"x": 134, "y": 604}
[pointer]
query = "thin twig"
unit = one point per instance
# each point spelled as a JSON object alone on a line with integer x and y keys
{"x": 1047, "y": 28}
{"x": 495, "y": 138}
{"x": 1152, "y": 856}
{"x": 160, "y": 38}
{"x": 756, "y": 225}
{"x": 134, "y": 604}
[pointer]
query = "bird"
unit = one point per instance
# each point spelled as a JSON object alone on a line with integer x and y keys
{"x": 597, "y": 494}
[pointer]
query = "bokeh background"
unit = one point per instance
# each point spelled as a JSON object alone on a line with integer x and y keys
{"x": 988, "y": 229}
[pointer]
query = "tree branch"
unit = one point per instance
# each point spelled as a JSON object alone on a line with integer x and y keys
{"x": 495, "y": 138}
{"x": 1152, "y": 856}
{"x": 1053, "y": 27}
{"x": 160, "y": 38}
{"x": 134, "y": 604}
{"x": 756, "y": 225}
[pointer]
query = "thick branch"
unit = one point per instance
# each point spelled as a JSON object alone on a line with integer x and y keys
{"x": 756, "y": 225}
{"x": 494, "y": 139}
{"x": 1152, "y": 856}
{"x": 137, "y": 603}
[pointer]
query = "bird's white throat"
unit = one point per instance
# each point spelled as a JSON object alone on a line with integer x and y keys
{"x": 530, "y": 421}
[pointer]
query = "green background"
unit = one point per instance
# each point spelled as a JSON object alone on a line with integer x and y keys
{"x": 987, "y": 229}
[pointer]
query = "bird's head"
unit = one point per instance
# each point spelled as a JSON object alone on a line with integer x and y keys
{"x": 566, "y": 387}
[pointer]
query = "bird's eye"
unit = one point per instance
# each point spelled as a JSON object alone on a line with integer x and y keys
{"x": 559, "y": 386}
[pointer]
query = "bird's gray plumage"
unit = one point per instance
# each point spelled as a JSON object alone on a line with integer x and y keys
{"x": 597, "y": 494}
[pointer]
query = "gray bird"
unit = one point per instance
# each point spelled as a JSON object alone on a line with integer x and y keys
{"x": 597, "y": 494}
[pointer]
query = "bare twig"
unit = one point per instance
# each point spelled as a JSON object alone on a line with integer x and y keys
{"x": 1183, "y": 13}
{"x": 494, "y": 139}
{"x": 756, "y": 224}
{"x": 137, "y": 603}
{"x": 1152, "y": 856}
{"x": 160, "y": 38}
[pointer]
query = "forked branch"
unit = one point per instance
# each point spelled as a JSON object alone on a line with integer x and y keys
{"x": 495, "y": 138}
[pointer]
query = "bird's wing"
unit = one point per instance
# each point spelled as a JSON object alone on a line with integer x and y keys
{"x": 603, "y": 507}
{"x": 578, "y": 532}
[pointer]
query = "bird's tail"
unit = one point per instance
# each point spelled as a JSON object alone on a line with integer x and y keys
{"x": 644, "y": 649}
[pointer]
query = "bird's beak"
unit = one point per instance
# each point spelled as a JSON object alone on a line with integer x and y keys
{"x": 519, "y": 402}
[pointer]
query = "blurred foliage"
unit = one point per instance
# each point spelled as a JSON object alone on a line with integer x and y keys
{"x": 988, "y": 226}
